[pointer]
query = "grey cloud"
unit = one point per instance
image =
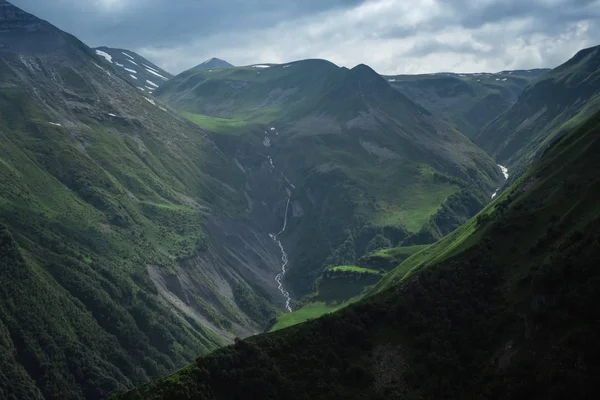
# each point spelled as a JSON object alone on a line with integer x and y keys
{"x": 139, "y": 23}
{"x": 393, "y": 36}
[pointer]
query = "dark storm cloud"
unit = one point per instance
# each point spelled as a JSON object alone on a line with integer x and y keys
{"x": 393, "y": 36}
{"x": 138, "y": 23}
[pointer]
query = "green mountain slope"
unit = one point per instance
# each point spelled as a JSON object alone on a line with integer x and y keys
{"x": 546, "y": 110}
{"x": 467, "y": 101}
{"x": 510, "y": 314}
{"x": 359, "y": 158}
{"x": 121, "y": 226}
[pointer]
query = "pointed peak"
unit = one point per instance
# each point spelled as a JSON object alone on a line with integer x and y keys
{"x": 13, "y": 18}
{"x": 214, "y": 63}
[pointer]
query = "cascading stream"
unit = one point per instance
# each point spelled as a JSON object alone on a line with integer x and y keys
{"x": 284, "y": 256}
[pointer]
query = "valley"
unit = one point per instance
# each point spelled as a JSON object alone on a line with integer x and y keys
{"x": 297, "y": 230}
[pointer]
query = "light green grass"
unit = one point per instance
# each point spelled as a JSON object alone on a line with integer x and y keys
{"x": 353, "y": 268}
{"x": 457, "y": 241}
{"x": 224, "y": 125}
{"x": 399, "y": 251}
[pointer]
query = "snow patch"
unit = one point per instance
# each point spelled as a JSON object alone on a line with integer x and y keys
{"x": 267, "y": 142}
{"x": 107, "y": 73}
{"x": 504, "y": 171}
{"x": 287, "y": 66}
{"x": 107, "y": 56}
{"x": 119, "y": 64}
{"x": 495, "y": 194}
{"x": 112, "y": 115}
{"x": 162, "y": 108}
{"x": 504, "y": 80}
{"x": 54, "y": 123}
{"x": 157, "y": 74}
{"x": 391, "y": 80}
{"x": 128, "y": 55}
{"x": 133, "y": 76}
{"x": 149, "y": 67}
{"x": 150, "y": 101}
{"x": 151, "y": 83}
{"x": 261, "y": 66}
{"x": 133, "y": 62}
{"x": 133, "y": 71}
{"x": 142, "y": 89}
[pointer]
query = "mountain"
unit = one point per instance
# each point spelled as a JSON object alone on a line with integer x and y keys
{"x": 134, "y": 68}
{"x": 553, "y": 105}
{"x": 505, "y": 308}
{"x": 467, "y": 101}
{"x": 359, "y": 159}
{"x": 125, "y": 249}
{"x": 213, "y": 63}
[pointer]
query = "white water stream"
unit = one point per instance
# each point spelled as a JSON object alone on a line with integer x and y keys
{"x": 284, "y": 256}
{"x": 505, "y": 173}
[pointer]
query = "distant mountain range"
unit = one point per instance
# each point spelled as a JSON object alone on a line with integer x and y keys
{"x": 553, "y": 105}
{"x": 468, "y": 101}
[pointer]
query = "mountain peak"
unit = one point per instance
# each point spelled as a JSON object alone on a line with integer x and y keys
{"x": 12, "y": 17}
{"x": 213, "y": 63}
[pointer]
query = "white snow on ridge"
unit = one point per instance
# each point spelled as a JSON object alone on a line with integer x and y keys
{"x": 504, "y": 171}
{"x": 151, "y": 83}
{"x": 107, "y": 56}
{"x": 107, "y": 73}
{"x": 54, "y": 123}
{"x": 157, "y": 74}
{"x": 495, "y": 194}
{"x": 133, "y": 76}
{"x": 261, "y": 66}
{"x": 133, "y": 71}
{"x": 119, "y": 65}
{"x": 133, "y": 62}
{"x": 112, "y": 115}
{"x": 149, "y": 67}
{"x": 391, "y": 80}
{"x": 128, "y": 55}
{"x": 150, "y": 101}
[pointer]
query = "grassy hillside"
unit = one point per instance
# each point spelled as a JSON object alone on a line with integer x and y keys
{"x": 363, "y": 159}
{"x": 507, "y": 309}
{"x": 120, "y": 227}
{"x": 467, "y": 101}
{"x": 556, "y": 103}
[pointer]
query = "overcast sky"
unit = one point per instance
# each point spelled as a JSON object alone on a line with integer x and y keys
{"x": 392, "y": 36}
